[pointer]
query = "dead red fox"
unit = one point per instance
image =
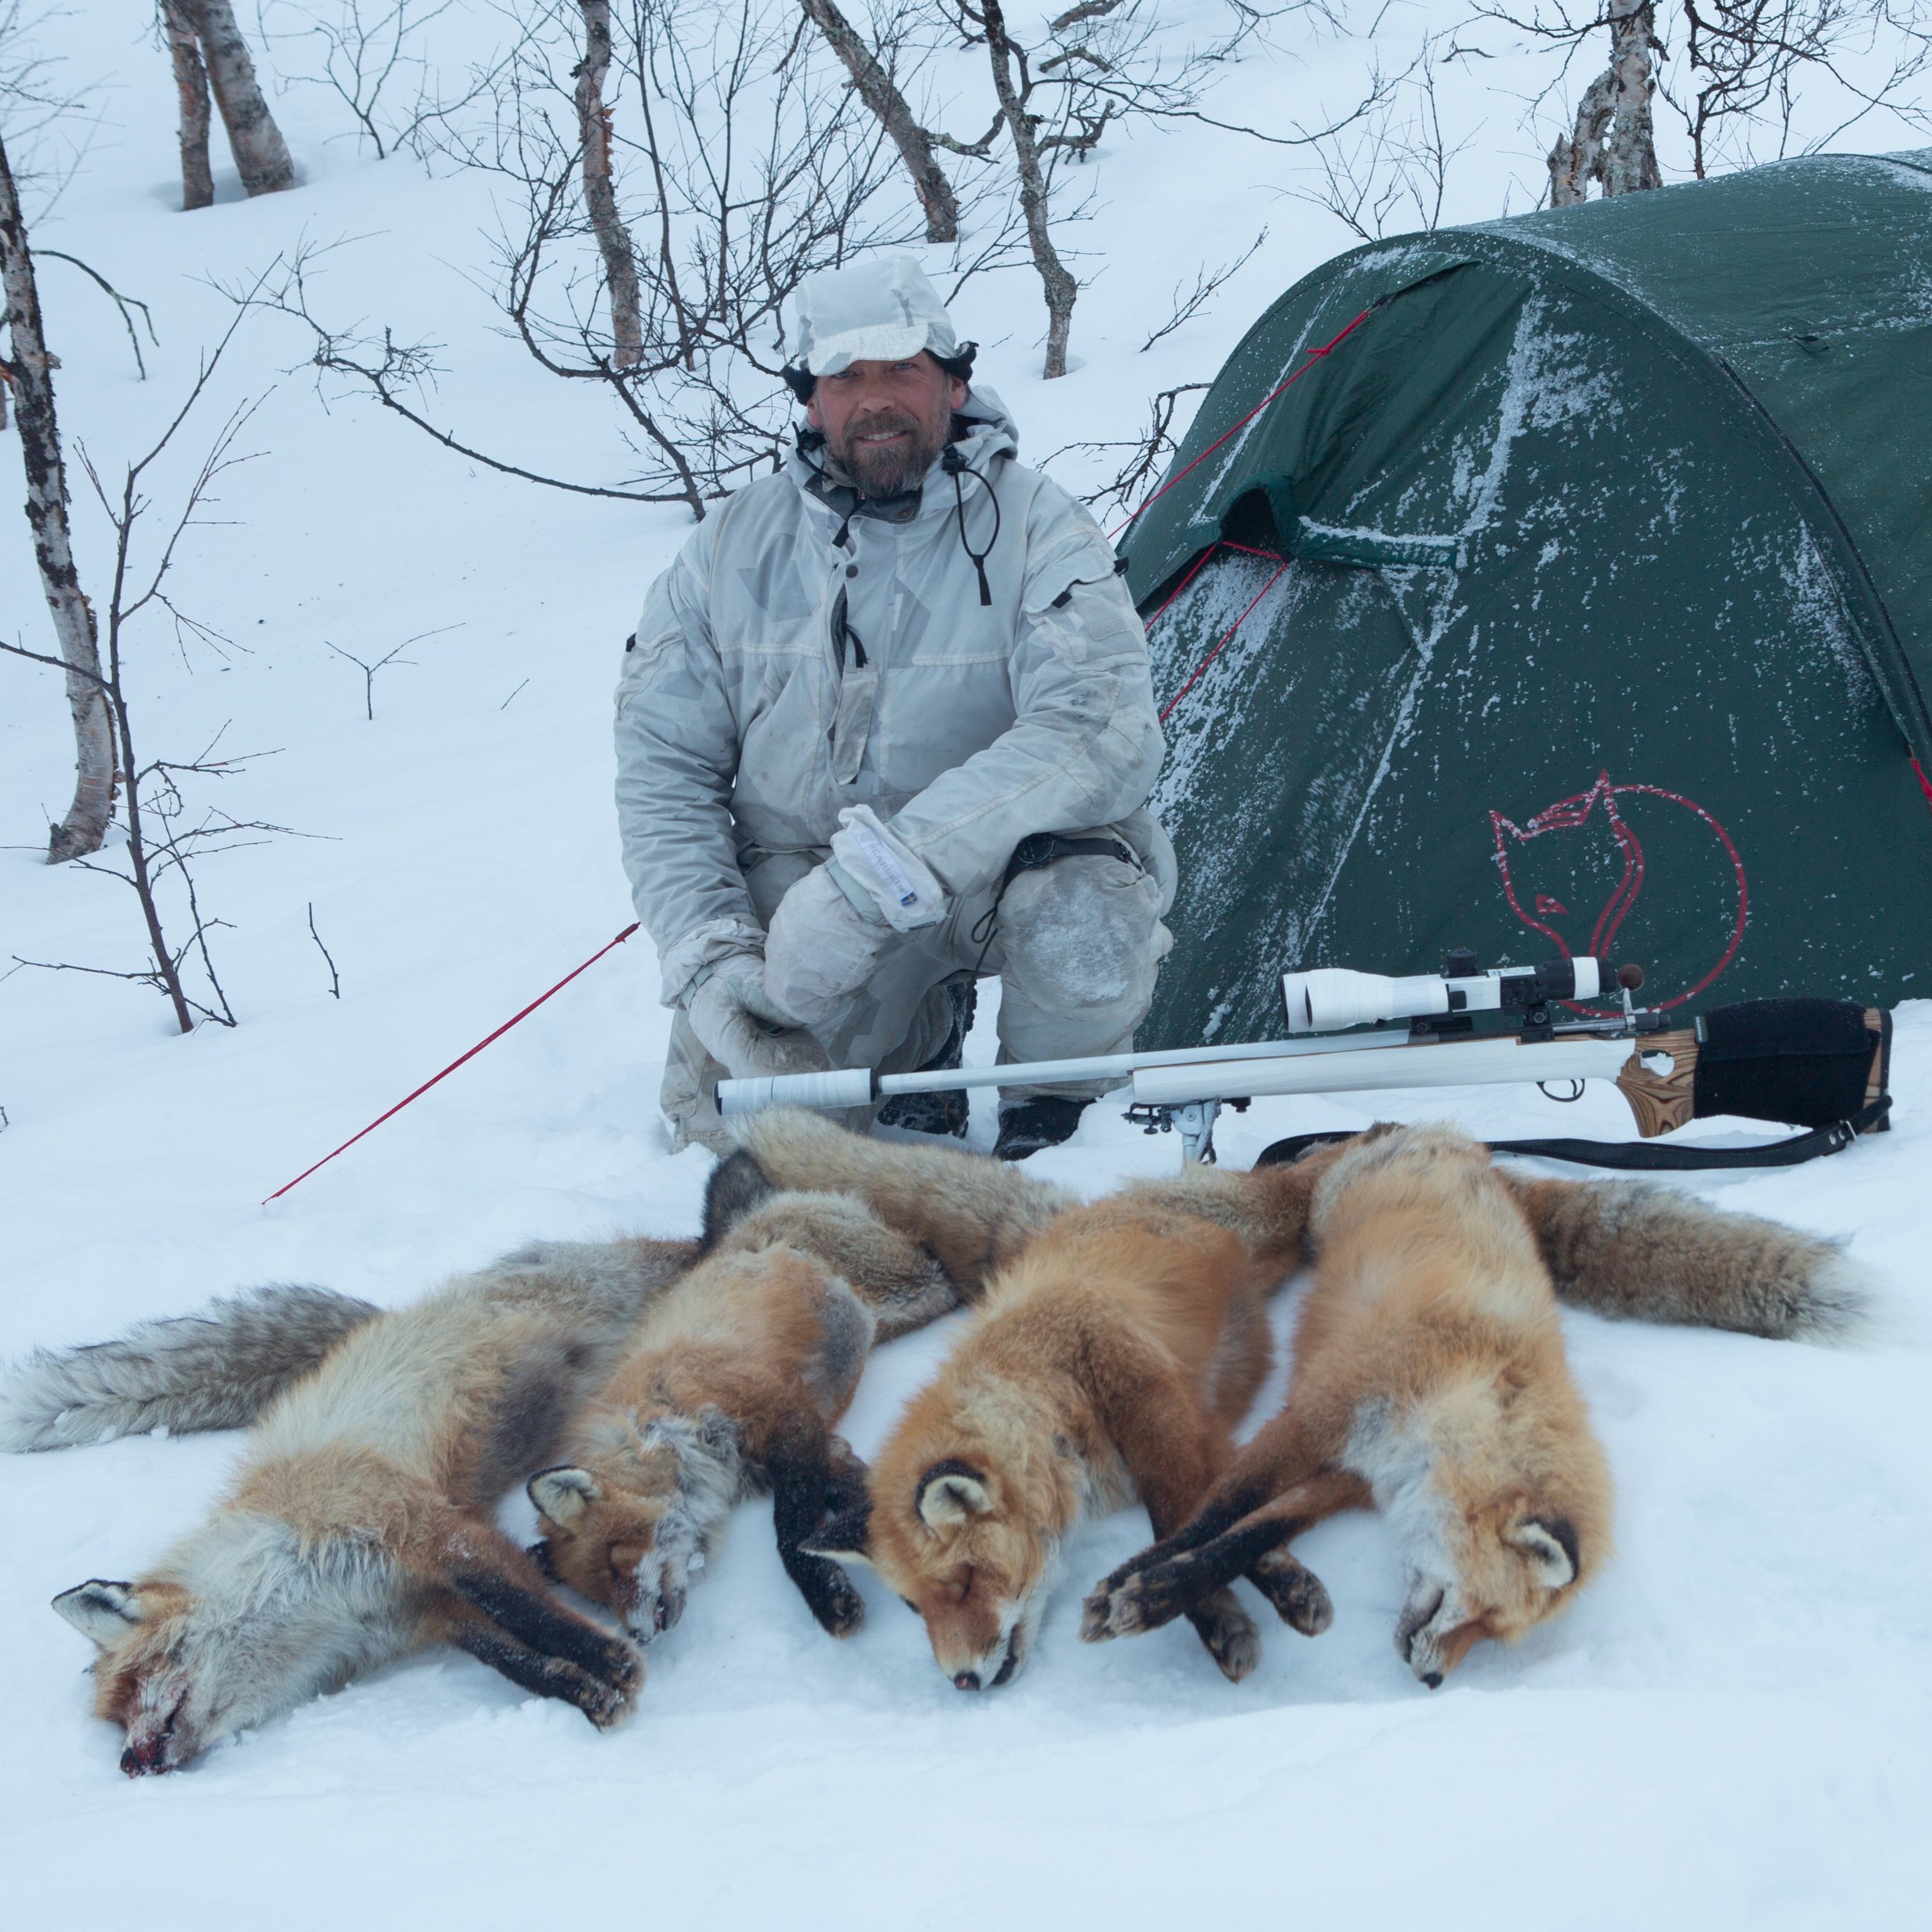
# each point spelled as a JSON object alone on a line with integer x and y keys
{"x": 1113, "y": 1356}
{"x": 1430, "y": 1379}
{"x": 1116, "y": 1341}
{"x": 358, "y": 1526}
{"x": 732, "y": 1384}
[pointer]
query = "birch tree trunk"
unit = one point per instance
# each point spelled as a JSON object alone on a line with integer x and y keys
{"x": 600, "y": 199}
{"x": 191, "y": 84}
{"x": 1577, "y": 159}
{"x": 29, "y": 376}
{"x": 875, "y": 88}
{"x": 1630, "y": 164}
{"x": 261, "y": 154}
{"x": 1060, "y": 287}
{"x": 1614, "y": 141}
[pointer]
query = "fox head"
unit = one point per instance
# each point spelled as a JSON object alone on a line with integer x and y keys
{"x": 1495, "y": 1570}
{"x": 634, "y": 1524}
{"x": 244, "y": 1623}
{"x": 965, "y": 1547}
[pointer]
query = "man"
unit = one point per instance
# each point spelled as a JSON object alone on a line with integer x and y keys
{"x": 887, "y": 724}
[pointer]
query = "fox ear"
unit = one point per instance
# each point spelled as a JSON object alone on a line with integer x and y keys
{"x": 1549, "y": 1542}
{"x": 845, "y": 1536}
{"x": 105, "y": 1612}
{"x": 562, "y": 1494}
{"x": 950, "y": 1493}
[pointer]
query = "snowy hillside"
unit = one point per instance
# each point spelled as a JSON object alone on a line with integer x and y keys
{"x": 1733, "y": 1727}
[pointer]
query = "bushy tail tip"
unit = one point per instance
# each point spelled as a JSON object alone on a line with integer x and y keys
{"x": 218, "y": 1369}
{"x": 1633, "y": 1249}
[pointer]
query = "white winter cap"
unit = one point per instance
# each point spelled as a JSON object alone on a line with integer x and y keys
{"x": 883, "y": 308}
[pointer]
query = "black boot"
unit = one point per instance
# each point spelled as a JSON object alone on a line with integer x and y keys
{"x": 938, "y": 1113}
{"x": 1044, "y": 1121}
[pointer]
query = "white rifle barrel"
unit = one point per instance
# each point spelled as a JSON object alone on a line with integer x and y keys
{"x": 1474, "y": 1063}
{"x": 1208, "y": 1073}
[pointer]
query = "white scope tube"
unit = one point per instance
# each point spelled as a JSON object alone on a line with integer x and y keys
{"x": 1331, "y": 998}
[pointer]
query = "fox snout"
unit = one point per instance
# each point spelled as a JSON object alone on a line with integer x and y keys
{"x": 657, "y": 1598}
{"x": 999, "y": 1666}
{"x": 152, "y": 1746}
{"x": 1434, "y": 1633}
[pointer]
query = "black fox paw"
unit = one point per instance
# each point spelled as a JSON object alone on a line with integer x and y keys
{"x": 1296, "y": 1593}
{"x": 1230, "y": 1635}
{"x": 606, "y": 1701}
{"x": 839, "y": 1608}
{"x": 1113, "y": 1608}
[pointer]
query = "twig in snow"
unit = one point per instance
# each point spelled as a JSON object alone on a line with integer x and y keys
{"x": 334, "y": 977}
{"x": 395, "y": 656}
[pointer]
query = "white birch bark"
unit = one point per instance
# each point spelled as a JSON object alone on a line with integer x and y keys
{"x": 29, "y": 376}
{"x": 261, "y": 154}
{"x": 191, "y": 85}
{"x": 600, "y": 198}
{"x": 1614, "y": 141}
{"x": 875, "y": 88}
{"x": 1058, "y": 284}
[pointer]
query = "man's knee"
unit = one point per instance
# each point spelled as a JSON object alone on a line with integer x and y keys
{"x": 1083, "y": 934}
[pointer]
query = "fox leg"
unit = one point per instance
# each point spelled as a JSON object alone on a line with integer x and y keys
{"x": 492, "y": 1604}
{"x": 1172, "y": 1449}
{"x": 1280, "y": 1455}
{"x": 461, "y": 1624}
{"x": 809, "y": 1478}
{"x": 1154, "y": 1587}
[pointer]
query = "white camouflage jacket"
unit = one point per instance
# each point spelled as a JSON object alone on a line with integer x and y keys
{"x": 807, "y": 652}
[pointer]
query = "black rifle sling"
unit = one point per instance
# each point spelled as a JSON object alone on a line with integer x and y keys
{"x": 1647, "y": 1157}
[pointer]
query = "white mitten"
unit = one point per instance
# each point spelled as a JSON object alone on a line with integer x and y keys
{"x": 821, "y": 949}
{"x": 728, "y": 1014}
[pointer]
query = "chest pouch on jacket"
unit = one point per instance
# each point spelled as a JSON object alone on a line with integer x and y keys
{"x": 858, "y": 686}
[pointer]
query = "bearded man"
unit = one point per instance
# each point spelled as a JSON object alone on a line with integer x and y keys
{"x": 886, "y": 726}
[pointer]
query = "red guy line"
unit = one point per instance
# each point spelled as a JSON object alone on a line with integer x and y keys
{"x": 1200, "y": 668}
{"x": 455, "y": 1064}
{"x": 1917, "y": 769}
{"x": 1313, "y": 355}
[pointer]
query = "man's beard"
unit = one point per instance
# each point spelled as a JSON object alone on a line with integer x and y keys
{"x": 880, "y": 470}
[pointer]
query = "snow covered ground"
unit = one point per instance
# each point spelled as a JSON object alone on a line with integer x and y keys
{"x": 1730, "y": 1730}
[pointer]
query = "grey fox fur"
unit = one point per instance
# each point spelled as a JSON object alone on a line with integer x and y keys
{"x": 218, "y": 1369}
{"x": 359, "y": 1524}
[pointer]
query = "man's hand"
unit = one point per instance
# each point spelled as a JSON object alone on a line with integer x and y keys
{"x": 821, "y": 949}
{"x": 734, "y": 1023}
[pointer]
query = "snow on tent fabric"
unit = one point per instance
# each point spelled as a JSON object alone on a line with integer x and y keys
{"x": 1588, "y": 597}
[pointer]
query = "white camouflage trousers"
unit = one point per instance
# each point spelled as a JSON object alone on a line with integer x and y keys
{"x": 1076, "y": 946}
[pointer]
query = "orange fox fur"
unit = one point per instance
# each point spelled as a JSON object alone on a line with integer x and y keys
{"x": 1113, "y": 1356}
{"x": 1430, "y": 1379}
{"x": 1504, "y": 1511}
{"x": 732, "y": 1384}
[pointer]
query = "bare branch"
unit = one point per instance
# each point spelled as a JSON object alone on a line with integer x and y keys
{"x": 1148, "y": 453}
{"x": 334, "y": 977}
{"x": 395, "y": 656}
{"x": 123, "y": 303}
{"x": 1206, "y": 283}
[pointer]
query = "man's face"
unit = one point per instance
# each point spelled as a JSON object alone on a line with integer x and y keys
{"x": 885, "y": 421}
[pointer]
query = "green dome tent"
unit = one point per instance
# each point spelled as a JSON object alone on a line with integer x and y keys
{"x": 1564, "y": 583}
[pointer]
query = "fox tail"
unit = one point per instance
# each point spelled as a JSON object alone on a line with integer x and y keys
{"x": 1627, "y": 1248}
{"x": 218, "y": 1369}
{"x": 973, "y": 1213}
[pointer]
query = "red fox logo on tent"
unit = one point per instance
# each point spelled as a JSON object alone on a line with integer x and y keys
{"x": 1613, "y": 872}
